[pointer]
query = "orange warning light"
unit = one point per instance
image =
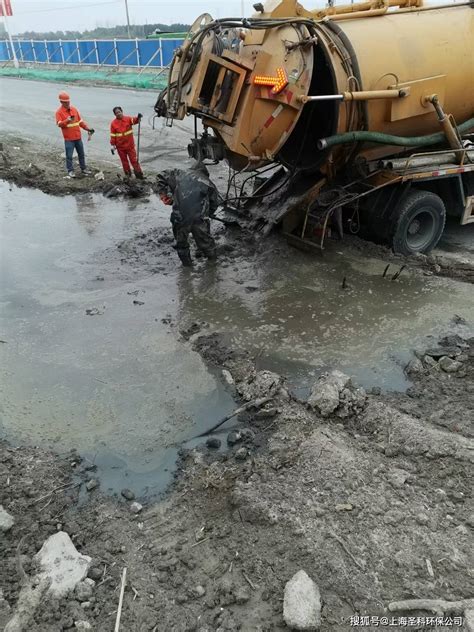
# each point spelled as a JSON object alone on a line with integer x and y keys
{"x": 279, "y": 82}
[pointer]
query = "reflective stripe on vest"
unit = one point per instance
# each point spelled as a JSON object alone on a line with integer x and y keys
{"x": 73, "y": 124}
{"x": 130, "y": 131}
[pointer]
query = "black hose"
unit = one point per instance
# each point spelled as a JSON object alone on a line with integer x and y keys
{"x": 390, "y": 139}
{"x": 336, "y": 29}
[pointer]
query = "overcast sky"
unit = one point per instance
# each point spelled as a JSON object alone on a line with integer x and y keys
{"x": 39, "y": 15}
{"x": 54, "y": 15}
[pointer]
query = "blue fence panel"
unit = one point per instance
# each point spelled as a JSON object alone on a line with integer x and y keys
{"x": 127, "y": 54}
{"x": 40, "y": 51}
{"x": 135, "y": 53}
{"x": 169, "y": 46}
{"x": 4, "y": 51}
{"x": 87, "y": 52}
{"x": 16, "y": 46}
{"x": 106, "y": 51}
{"x": 70, "y": 52}
{"x": 54, "y": 52}
{"x": 27, "y": 51}
{"x": 149, "y": 52}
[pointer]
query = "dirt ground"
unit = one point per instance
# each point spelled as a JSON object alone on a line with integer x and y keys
{"x": 372, "y": 500}
{"x": 19, "y": 165}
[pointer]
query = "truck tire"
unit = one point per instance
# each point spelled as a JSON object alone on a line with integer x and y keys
{"x": 418, "y": 223}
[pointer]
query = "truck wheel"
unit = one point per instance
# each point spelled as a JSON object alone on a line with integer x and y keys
{"x": 418, "y": 223}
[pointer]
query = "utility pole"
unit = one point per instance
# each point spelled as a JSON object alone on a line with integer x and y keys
{"x": 242, "y": 8}
{"x": 4, "y": 13}
{"x": 128, "y": 19}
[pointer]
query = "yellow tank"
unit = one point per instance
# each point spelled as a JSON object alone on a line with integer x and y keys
{"x": 371, "y": 66}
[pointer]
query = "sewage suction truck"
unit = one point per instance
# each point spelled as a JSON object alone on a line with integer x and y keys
{"x": 355, "y": 117}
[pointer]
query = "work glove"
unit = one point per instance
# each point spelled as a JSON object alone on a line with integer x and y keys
{"x": 176, "y": 217}
{"x": 91, "y": 131}
{"x": 166, "y": 199}
{"x": 112, "y": 151}
{"x": 139, "y": 116}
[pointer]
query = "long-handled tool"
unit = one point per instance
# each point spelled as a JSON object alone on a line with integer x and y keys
{"x": 138, "y": 139}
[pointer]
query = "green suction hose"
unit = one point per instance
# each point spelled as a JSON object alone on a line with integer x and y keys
{"x": 389, "y": 139}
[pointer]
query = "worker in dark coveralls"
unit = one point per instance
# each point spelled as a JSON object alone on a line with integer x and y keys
{"x": 194, "y": 199}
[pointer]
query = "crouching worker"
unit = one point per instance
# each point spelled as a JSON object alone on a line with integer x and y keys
{"x": 194, "y": 200}
{"x": 121, "y": 139}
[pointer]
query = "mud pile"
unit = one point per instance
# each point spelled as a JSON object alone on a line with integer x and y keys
{"x": 461, "y": 268}
{"x": 20, "y": 165}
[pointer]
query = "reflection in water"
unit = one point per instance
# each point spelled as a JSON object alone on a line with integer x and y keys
{"x": 88, "y": 212}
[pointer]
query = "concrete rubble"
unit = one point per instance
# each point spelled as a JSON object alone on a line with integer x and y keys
{"x": 261, "y": 384}
{"x": 92, "y": 484}
{"x": 414, "y": 366}
{"x": 60, "y": 561}
{"x": 302, "y": 603}
{"x": 469, "y": 620}
{"x": 85, "y": 589}
{"x": 449, "y": 365}
{"x": 6, "y": 520}
{"x": 334, "y": 392}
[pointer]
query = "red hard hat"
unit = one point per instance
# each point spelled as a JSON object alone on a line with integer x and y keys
{"x": 63, "y": 96}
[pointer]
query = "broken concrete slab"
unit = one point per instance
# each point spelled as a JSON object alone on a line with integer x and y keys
{"x": 59, "y": 560}
{"x": 302, "y": 603}
{"x": 6, "y": 520}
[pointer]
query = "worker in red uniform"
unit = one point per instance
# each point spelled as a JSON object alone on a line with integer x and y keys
{"x": 121, "y": 139}
{"x": 70, "y": 122}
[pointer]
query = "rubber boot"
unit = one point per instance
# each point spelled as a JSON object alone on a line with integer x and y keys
{"x": 138, "y": 175}
{"x": 185, "y": 257}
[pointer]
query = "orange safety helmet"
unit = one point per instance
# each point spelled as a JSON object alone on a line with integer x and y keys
{"x": 63, "y": 96}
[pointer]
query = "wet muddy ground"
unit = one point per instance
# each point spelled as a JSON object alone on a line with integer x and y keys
{"x": 373, "y": 501}
{"x": 110, "y": 348}
{"x": 94, "y": 302}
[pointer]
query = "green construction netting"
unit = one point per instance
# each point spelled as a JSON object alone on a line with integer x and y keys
{"x": 152, "y": 81}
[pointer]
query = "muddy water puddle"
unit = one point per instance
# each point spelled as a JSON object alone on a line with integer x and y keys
{"x": 294, "y": 313}
{"x": 87, "y": 361}
{"x": 91, "y": 358}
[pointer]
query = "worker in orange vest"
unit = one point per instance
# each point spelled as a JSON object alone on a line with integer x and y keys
{"x": 121, "y": 139}
{"x": 70, "y": 122}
